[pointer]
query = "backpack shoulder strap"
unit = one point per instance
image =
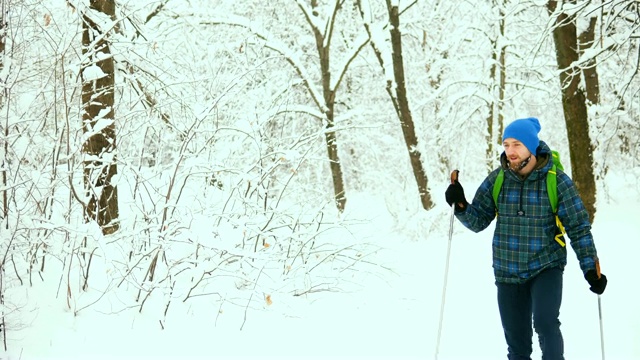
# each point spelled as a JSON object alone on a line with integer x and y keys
{"x": 555, "y": 157}
{"x": 497, "y": 186}
{"x": 552, "y": 188}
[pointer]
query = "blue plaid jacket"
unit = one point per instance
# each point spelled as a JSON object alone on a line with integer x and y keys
{"x": 523, "y": 242}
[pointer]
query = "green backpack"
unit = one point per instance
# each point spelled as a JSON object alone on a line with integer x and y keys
{"x": 552, "y": 190}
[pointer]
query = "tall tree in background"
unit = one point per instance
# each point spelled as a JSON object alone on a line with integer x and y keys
{"x": 586, "y": 40}
{"x": 99, "y": 148}
{"x": 5, "y": 134}
{"x": 574, "y": 104}
{"x": 3, "y": 35}
{"x": 401, "y": 105}
{"x": 398, "y": 93}
{"x": 498, "y": 78}
{"x": 323, "y": 39}
{"x": 323, "y": 28}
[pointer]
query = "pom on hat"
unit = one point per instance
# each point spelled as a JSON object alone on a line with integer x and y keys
{"x": 524, "y": 130}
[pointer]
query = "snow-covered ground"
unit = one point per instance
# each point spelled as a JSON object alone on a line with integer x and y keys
{"x": 388, "y": 309}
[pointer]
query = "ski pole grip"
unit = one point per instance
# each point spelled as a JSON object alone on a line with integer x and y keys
{"x": 598, "y": 268}
{"x": 454, "y": 176}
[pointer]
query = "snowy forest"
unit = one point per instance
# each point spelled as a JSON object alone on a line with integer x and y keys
{"x": 156, "y": 152}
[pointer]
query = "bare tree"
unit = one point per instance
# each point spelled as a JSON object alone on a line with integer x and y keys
{"x": 99, "y": 148}
{"x": 3, "y": 30}
{"x": 618, "y": 32}
{"x": 401, "y": 105}
{"x": 324, "y": 97}
{"x": 5, "y": 205}
{"x": 397, "y": 91}
{"x": 329, "y": 89}
{"x": 574, "y": 104}
{"x": 592, "y": 84}
{"x": 498, "y": 77}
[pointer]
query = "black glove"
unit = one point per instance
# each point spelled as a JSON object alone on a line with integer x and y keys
{"x": 597, "y": 283}
{"x": 455, "y": 194}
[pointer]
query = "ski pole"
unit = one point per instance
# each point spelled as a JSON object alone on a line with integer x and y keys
{"x": 454, "y": 178}
{"x": 600, "y": 312}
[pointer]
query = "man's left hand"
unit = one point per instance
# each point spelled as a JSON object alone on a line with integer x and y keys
{"x": 598, "y": 283}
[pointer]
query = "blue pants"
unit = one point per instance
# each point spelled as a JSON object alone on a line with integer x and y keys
{"x": 539, "y": 299}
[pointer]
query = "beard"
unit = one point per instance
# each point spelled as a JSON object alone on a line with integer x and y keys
{"x": 519, "y": 165}
{"x": 515, "y": 165}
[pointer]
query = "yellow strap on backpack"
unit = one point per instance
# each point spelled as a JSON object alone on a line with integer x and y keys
{"x": 562, "y": 232}
{"x": 552, "y": 190}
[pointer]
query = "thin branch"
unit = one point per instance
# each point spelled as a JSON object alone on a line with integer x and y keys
{"x": 331, "y": 24}
{"x": 155, "y": 11}
{"x": 348, "y": 63}
{"x": 280, "y": 49}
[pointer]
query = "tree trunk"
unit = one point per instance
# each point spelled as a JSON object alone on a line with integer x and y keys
{"x": 5, "y": 194}
{"x": 575, "y": 108}
{"x": 592, "y": 84}
{"x": 324, "y": 52}
{"x": 332, "y": 151}
{"x": 403, "y": 111}
{"x": 99, "y": 149}
{"x": 495, "y": 121}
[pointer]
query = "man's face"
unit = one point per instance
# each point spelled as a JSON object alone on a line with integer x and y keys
{"x": 516, "y": 152}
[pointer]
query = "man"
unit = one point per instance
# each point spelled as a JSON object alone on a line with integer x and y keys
{"x": 528, "y": 261}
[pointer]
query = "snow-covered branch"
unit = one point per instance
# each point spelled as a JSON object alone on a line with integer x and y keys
{"x": 270, "y": 42}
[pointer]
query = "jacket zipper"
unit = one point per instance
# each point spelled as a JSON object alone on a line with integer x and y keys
{"x": 520, "y": 209}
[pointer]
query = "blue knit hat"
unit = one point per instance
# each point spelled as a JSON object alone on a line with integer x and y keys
{"x": 526, "y": 131}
